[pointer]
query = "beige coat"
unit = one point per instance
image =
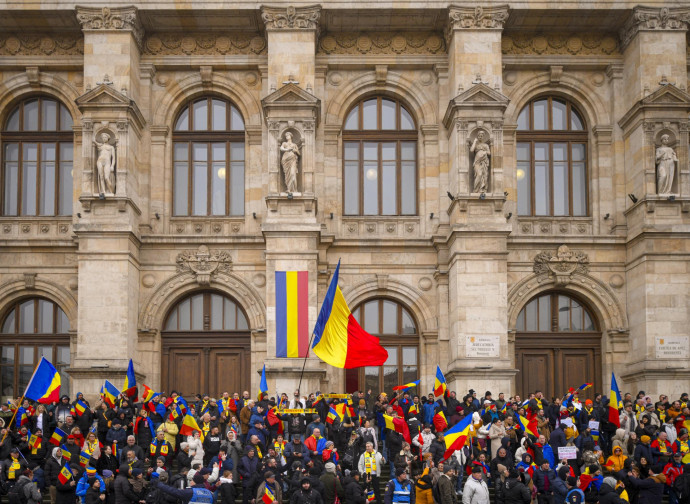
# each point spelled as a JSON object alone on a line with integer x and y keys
{"x": 171, "y": 429}
{"x": 496, "y": 433}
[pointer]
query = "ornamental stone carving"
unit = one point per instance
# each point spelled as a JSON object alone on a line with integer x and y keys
{"x": 477, "y": 18}
{"x": 653, "y": 19}
{"x": 291, "y": 17}
{"x": 382, "y": 43}
{"x": 203, "y": 263}
{"x": 561, "y": 266}
{"x": 204, "y": 44}
{"x": 666, "y": 160}
{"x": 106, "y": 18}
{"x": 41, "y": 45}
{"x": 581, "y": 44}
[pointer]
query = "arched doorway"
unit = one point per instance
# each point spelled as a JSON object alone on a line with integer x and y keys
{"x": 393, "y": 324}
{"x": 557, "y": 346}
{"x": 206, "y": 346}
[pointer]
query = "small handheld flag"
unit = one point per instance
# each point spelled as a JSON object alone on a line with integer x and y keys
{"x": 58, "y": 437}
{"x": 268, "y": 496}
{"x": 65, "y": 474}
{"x": 440, "y": 385}
{"x": 615, "y": 402}
{"x": 398, "y": 425}
{"x": 188, "y": 426}
{"x": 84, "y": 458}
{"x": 332, "y": 415}
{"x": 407, "y": 385}
{"x": 35, "y": 442}
{"x": 80, "y": 407}
{"x": 440, "y": 422}
{"x": 130, "y": 387}
{"x": 110, "y": 393}
{"x": 370, "y": 495}
{"x": 44, "y": 385}
{"x": 263, "y": 384}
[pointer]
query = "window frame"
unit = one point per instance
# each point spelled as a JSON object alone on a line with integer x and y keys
{"x": 205, "y": 315}
{"x": 381, "y": 136}
{"x": 550, "y": 136}
{"x": 554, "y": 316}
{"x": 38, "y": 137}
{"x": 209, "y": 137}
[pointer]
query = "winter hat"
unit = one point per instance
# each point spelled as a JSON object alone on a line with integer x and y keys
{"x": 91, "y": 471}
{"x": 398, "y": 472}
{"x": 136, "y": 472}
{"x": 305, "y": 480}
{"x": 572, "y": 481}
{"x": 645, "y": 439}
{"x": 154, "y": 474}
{"x": 476, "y": 469}
{"x": 610, "y": 481}
{"x": 330, "y": 467}
{"x": 269, "y": 474}
{"x": 501, "y": 468}
{"x": 91, "y": 481}
{"x": 198, "y": 479}
{"x": 563, "y": 472}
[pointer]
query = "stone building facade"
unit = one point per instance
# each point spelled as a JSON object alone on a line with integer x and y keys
{"x": 506, "y": 186}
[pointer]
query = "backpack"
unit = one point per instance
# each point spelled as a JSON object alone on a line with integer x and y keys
{"x": 153, "y": 496}
{"x": 573, "y": 495}
{"x": 17, "y": 494}
{"x": 436, "y": 493}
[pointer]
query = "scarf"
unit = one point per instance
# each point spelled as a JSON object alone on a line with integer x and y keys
{"x": 12, "y": 470}
{"x": 279, "y": 447}
{"x": 154, "y": 447}
{"x": 370, "y": 462}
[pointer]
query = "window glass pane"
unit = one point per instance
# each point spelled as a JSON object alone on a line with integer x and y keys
{"x": 219, "y": 172}
{"x": 216, "y": 312}
{"x": 575, "y": 121}
{"x": 392, "y": 357}
{"x": 236, "y": 119}
{"x": 44, "y": 351}
{"x": 65, "y": 118}
{"x": 200, "y": 179}
{"x": 171, "y": 324}
{"x": 576, "y": 316}
{"x": 355, "y": 314}
{"x": 29, "y": 174}
{"x": 371, "y": 196}
{"x": 181, "y": 182}
{"x": 563, "y": 313}
{"x": 237, "y": 188}
{"x": 45, "y": 316}
{"x": 545, "y": 313}
{"x": 408, "y": 326}
{"x": 406, "y": 122}
{"x": 589, "y": 325}
{"x": 540, "y": 114}
{"x": 408, "y": 151}
{"x": 230, "y": 315}
{"x": 31, "y": 115}
{"x": 524, "y": 183}
{"x": 351, "y": 150}
{"x": 49, "y": 115}
{"x": 26, "y": 355}
{"x": 410, "y": 356}
{"x": 559, "y": 117}
{"x": 26, "y": 317}
{"x": 184, "y": 314}
{"x": 26, "y": 366}
{"x": 390, "y": 317}
{"x": 7, "y": 381}
{"x": 390, "y": 378}
{"x": 47, "y": 195}
{"x": 65, "y": 195}
{"x": 201, "y": 115}
{"x": 369, "y": 114}
{"x": 389, "y": 183}
{"x": 62, "y": 322}
{"x": 387, "y": 114}
{"x": 409, "y": 374}
{"x": 578, "y": 152}
{"x": 388, "y": 151}
{"x": 7, "y": 355}
{"x": 11, "y": 176}
{"x": 531, "y": 316}
{"x": 13, "y": 121}
{"x": 351, "y": 182}
{"x": 352, "y": 119}
{"x": 182, "y": 123}
{"x": 62, "y": 356}
{"x": 371, "y": 378}
{"x": 523, "y": 119}
{"x": 218, "y": 115}
{"x": 8, "y": 327}
{"x": 237, "y": 151}
{"x": 371, "y": 317}
{"x": 242, "y": 323}
{"x": 520, "y": 323}
{"x": 579, "y": 190}
{"x": 198, "y": 312}
{"x": 408, "y": 188}
{"x": 542, "y": 185}
{"x": 560, "y": 179}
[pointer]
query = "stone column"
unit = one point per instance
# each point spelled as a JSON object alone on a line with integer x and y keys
{"x": 108, "y": 227}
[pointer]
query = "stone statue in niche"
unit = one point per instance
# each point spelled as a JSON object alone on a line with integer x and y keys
{"x": 105, "y": 165}
{"x": 481, "y": 164}
{"x": 288, "y": 161}
{"x": 666, "y": 160}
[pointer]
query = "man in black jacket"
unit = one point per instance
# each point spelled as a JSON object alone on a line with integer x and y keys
{"x": 123, "y": 490}
{"x": 306, "y": 494}
{"x": 354, "y": 491}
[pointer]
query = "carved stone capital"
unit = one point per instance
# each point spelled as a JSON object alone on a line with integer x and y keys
{"x": 291, "y": 17}
{"x": 477, "y": 18}
{"x": 107, "y": 18}
{"x": 203, "y": 263}
{"x": 562, "y": 265}
{"x": 654, "y": 19}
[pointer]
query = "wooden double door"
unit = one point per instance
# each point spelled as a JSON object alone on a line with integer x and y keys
{"x": 209, "y": 364}
{"x": 553, "y": 363}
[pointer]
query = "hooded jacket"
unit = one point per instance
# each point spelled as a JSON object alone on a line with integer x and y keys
{"x": 123, "y": 490}
{"x": 53, "y": 467}
{"x": 651, "y": 490}
{"x": 608, "y": 495}
{"x": 516, "y": 492}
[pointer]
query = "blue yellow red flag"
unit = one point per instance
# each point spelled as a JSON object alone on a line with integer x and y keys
{"x": 455, "y": 437}
{"x": 615, "y": 402}
{"x": 58, "y": 436}
{"x": 292, "y": 313}
{"x": 407, "y": 385}
{"x": 440, "y": 385}
{"x": 332, "y": 415}
{"x": 263, "y": 384}
{"x": 130, "y": 387}
{"x": 110, "y": 393}
{"x": 44, "y": 386}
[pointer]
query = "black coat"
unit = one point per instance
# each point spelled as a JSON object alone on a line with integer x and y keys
{"x": 226, "y": 494}
{"x": 65, "y": 493}
{"x": 309, "y": 497}
{"x": 52, "y": 469}
{"x": 123, "y": 490}
{"x": 354, "y": 492}
{"x": 651, "y": 492}
{"x": 516, "y": 492}
{"x": 608, "y": 495}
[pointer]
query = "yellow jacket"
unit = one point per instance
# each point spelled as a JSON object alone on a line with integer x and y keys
{"x": 171, "y": 430}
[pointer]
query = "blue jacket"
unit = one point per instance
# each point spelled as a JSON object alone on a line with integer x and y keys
{"x": 260, "y": 433}
{"x": 539, "y": 477}
{"x": 83, "y": 485}
{"x": 429, "y": 410}
{"x": 248, "y": 469}
{"x": 547, "y": 451}
{"x": 227, "y": 465}
{"x": 557, "y": 439}
{"x": 643, "y": 450}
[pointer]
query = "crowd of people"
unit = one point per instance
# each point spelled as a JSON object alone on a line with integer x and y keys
{"x": 296, "y": 450}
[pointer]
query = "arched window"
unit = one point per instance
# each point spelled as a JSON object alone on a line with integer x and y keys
{"x": 557, "y": 346}
{"x": 208, "y": 159}
{"x": 37, "y": 158}
{"x": 393, "y": 324}
{"x": 551, "y": 159}
{"x": 379, "y": 159}
{"x": 32, "y": 328}
{"x": 206, "y": 346}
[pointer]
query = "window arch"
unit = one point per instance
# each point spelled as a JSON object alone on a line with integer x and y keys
{"x": 379, "y": 159}
{"x": 397, "y": 331}
{"x": 206, "y": 345}
{"x": 37, "y": 159}
{"x": 31, "y": 329}
{"x": 555, "y": 312}
{"x": 208, "y": 159}
{"x": 552, "y": 159}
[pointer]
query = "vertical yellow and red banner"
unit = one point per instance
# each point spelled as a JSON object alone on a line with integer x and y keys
{"x": 292, "y": 313}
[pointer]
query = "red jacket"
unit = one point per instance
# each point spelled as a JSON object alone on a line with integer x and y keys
{"x": 672, "y": 471}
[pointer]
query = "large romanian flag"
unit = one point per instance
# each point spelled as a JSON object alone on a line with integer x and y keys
{"x": 44, "y": 385}
{"x": 338, "y": 338}
{"x": 439, "y": 383}
{"x": 188, "y": 426}
{"x": 398, "y": 425}
{"x": 292, "y": 313}
{"x": 110, "y": 393}
{"x": 455, "y": 438}
{"x": 615, "y": 402}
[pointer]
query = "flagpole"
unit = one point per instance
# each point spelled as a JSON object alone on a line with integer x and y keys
{"x": 304, "y": 364}
{"x": 20, "y": 402}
